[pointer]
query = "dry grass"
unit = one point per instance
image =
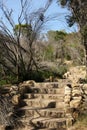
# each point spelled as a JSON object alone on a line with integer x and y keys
{"x": 81, "y": 123}
{"x": 78, "y": 127}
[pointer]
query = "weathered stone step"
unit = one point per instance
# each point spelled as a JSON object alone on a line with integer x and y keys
{"x": 50, "y": 112}
{"x": 42, "y": 122}
{"x": 45, "y": 96}
{"x": 48, "y": 85}
{"x": 4, "y": 90}
{"x": 46, "y": 90}
{"x": 52, "y": 129}
{"x": 43, "y": 103}
{"x": 40, "y": 103}
{"x": 32, "y": 128}
{"x": 47, "y": 129}
{"x": 42, "y": 85}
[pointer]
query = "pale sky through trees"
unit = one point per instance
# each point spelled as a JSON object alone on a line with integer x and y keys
{"x": 59, "y": 24}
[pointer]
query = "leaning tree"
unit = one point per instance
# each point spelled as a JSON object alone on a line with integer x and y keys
{"x": 78, "y": 15}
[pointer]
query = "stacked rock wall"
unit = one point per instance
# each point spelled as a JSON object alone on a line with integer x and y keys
{"x": 75, "y": 99}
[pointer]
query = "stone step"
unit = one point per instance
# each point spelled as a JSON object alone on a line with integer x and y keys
{"x": 51, "y": 129}
{"x": 42, "y": 85}
{"x": 50, "y": 112}
{"x": 28, "y": 128}
{"x": 43, "y": 103}
{"x": 48, "y": 85}
{"x": 46, "y": 90}
{"x": 45, "y": 96}
{"x": 4, "y": 90}
{"x": 32, "y": 128}
{"x": 41, "y": 122}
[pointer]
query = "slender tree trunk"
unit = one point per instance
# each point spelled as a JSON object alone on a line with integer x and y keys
{"x": 85, "y": 44}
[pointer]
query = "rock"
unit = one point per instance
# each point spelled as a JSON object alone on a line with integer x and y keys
{"x": 69, "y": 122}
{"x": 67, "y": 99}
{"x": 15, "y": 99}
{"x": 74, "y": 103}
{"x": 84, "y": 88}
{"x": 31, "y": 83}
{"x": 76, "y": 93}
{"x": 67, "y": 105}
{"x": 75, "y": 115}
{"x": 67, "y": 90}
{"x": 66, "y": 75}
{"x": 14, "y": 89}
{"x": 77, "y": 98}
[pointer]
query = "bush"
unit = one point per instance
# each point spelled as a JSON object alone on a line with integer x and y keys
{"x": 3, "y": 82}
{"x": 39, "y": 76}
{"x": 8, "y": 80}
{"x": 12, "y": 79}
{"x": 62, "y": 69}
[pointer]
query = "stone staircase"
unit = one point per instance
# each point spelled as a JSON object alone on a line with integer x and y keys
{"x": 43, "y": 107}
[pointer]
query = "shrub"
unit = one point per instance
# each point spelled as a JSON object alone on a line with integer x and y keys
{"x": 2, "y": 82}
{"x": 62, "y": 69}
{"x": 40, "y": 75}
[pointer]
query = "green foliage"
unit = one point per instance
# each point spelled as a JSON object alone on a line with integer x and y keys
{"x": 84, "y": 81}
{"x": 84, "y": 31}
{"x": 56, "y": 35}
{"x": 62, "y": 69}
{"x": 51, "y": 35}
{"x": 22, "y": 28}
{"x": 39, "y": 76}
{"x": 66, "y": 46}
{"x": 63, "y": 2}
{"x": 12, "y": 79}
{"x": 59, "y": 70}
{"x": 60, "y": 35}
{"x": 70, "y": 20}
{"x": 67, "y": 56}
{"x": 78, "y": 12}
{"x": 82, "y": 119}
{"x": 3, "y": 82}
{"x": 49, "y": 53}
{"x": 8, "y": 79}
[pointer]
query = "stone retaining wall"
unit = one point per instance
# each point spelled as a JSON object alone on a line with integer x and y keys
{"x": 75, "y": 99}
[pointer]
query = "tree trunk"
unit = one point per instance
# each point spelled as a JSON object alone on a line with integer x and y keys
{"x": 85, "y": 45}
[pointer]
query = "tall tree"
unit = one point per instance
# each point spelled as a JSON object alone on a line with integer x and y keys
{"x": 78, "y": 10}
{"x": 58, "y": 37}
